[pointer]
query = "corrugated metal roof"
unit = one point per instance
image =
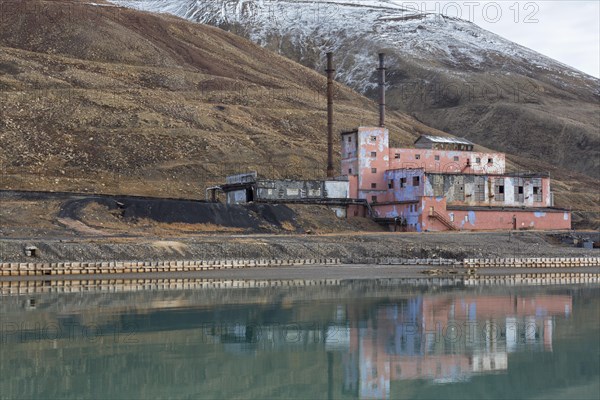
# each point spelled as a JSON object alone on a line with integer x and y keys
{"x": 444, "y": 139}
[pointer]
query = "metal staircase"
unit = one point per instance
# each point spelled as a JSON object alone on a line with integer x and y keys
{"x": 436, "y": 215}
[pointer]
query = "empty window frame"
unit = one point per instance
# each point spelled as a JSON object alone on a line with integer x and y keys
{"x": 437, "y": 158}
{"x": 373, "y": 138}
{"x": 391, "y": 184}
{"x": 373, "y": 154}
{"x": 397, "y": 156}
{"x": 373, "y": 186}
{"x": 416, "y": 181}
{"x": 499, "y": 189}
{"x": 519, "y": 190}
{"x": 373, "y": 170}
{"x": 402, "y": 182}
{"x": 459, "y": 188}
{"x": 438, "y": 185}
{"x": 490, "y": 161}
{"x": 374, "y": 199}
{"x": 537, "y": 190}
{"x": 417, "y": 156}
{"x": 350, "y": 171}
{"x": 479, "y": 189}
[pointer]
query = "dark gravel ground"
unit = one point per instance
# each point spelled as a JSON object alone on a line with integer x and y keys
{"x": 351, "y": 248}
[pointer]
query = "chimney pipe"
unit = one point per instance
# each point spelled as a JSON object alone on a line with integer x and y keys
{"x": 330, "y": 71}
{"x": 381, "y": 70}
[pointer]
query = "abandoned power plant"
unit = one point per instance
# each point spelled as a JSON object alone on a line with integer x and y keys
{"x": 439, "y": 184}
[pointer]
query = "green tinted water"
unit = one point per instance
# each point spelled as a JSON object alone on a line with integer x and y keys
{"x": 356, "y": 340}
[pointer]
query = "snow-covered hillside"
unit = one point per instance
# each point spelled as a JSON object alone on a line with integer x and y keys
{"x": 364, "y": 27}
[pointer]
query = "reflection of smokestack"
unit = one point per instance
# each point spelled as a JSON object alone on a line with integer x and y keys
{"x": 381, "y": 70}
{"x": 330, "y": 71}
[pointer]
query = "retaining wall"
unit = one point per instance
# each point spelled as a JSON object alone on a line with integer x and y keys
{"x": 135, "y": 267}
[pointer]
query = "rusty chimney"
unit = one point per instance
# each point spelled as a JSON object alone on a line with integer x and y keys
{"x": 381, "y": 70}
{"x": 330, "y": 71}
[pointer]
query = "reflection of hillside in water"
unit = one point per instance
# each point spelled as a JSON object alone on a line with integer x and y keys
{"x": 347, "y": 341}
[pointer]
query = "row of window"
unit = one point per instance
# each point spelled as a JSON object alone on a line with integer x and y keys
{"x": 416, "y": 181}
{"x": 437, "y": 158}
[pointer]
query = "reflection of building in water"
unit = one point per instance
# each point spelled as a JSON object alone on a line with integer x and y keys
{"x": 446, "y": 339}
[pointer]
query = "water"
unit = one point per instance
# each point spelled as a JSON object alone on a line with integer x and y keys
{"x": 361, "y": 339}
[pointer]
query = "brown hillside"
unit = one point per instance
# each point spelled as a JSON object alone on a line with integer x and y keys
{"x": 107, "y": 99}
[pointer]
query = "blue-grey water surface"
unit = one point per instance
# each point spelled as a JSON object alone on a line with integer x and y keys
{"x": 362, "y": 339}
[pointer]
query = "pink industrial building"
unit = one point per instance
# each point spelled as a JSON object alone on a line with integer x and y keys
{"x": 442, "y": 184}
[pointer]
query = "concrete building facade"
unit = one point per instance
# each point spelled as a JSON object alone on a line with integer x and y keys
{"x": 443, "y": 184}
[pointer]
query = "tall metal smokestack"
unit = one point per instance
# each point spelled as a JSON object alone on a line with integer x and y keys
{"x": 330, "y": 71}
{"x": 381, "y": 70}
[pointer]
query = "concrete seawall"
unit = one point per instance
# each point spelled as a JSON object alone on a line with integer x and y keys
{"x": 133, "y": 267}
{"x": 30, "y": 287}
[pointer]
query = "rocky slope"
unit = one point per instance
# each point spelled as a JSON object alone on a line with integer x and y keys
{"x": 447, "y": 72}
{"x": 113, "y": 100}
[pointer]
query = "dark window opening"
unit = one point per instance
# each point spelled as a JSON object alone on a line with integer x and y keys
{"x": 437, "y": 158}
{"x": 374, "y": 199}
{"x": 490, "y": 161}
{"x": 417, "y": 156}
{"x": 373, "y": 154}
{"x": 501, "y": 189}
{"x": 397, "y": 156}
{"x": 349, "y": 139}
{"x": 373, "y": 186}
{"x": 402, "y": 182}
{"x": 374, "y": 170}
{"x": 416, "y": 180}
{"x": 455, "y": 158}
{"x": 373, "y": 138}
{"x": 478, "y": 160}
{"x": 520, "y": 189}
{"x": 350, "y": 171}
{"x": 391, "y": 184}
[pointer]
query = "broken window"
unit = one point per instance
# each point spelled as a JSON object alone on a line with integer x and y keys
{"x": 438, "y": 185}
{"x": 373, "y": 186}
{"x": 374, "y": 170}
{"x": 459, "y": 188}
{"x": 417, "y": 156}
{"x": 519, "y": 190}
{"x": 402, "y": 182}
{"x": 537, "y": 190}
{"x": 479, "y": 189}
{"x": 499, "y": 189}
{"x": 373, "y": 154}
{"x": 416, "y": 180}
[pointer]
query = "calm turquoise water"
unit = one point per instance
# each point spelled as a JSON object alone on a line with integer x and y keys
{"x": 356, "y": 340}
